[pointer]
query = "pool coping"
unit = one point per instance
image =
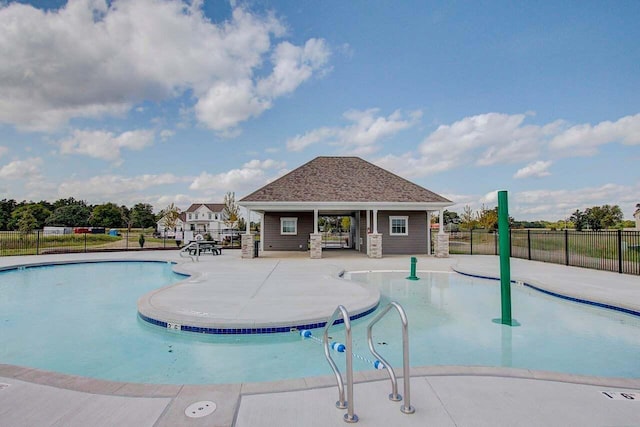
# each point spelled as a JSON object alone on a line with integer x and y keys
{"x": 536, "y": 285}
{"x": 130, "y": 389}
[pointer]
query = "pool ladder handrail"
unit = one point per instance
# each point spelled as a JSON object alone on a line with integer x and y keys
{"x": 394, "y": 396}
{"x": 349, "y": 417}
{"x": 185, "y": 250}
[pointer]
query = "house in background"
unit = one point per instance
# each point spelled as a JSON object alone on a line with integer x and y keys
{"x": 200, "y": 218}
{"x": 636, "y": 215}
{"x": 388, "y": 214}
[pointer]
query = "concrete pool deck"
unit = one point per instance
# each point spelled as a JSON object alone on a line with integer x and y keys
{"x": 442, "y": 396}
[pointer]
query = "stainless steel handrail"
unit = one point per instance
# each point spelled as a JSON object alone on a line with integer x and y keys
{"x": 186, "y": 249}
{"x": 406, "y": 408}
{"x": 349, "y": 417}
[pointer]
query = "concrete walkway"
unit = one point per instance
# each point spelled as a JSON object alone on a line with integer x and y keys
{"x": 442, "y": 396}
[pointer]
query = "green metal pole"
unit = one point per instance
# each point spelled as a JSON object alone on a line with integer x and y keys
{"x": 413, "y": 276}
{"x": 505, "y": 262}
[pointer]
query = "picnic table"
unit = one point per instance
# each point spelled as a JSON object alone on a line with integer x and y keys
{"x": 205, "y": 246}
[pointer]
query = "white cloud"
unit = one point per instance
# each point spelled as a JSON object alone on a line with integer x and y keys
{"x": 105, "y": 187}
{"x": 249, "y": 177}
{"x": 583, "y": 139}
{"x": 554, "y": 205}
{"x": 535, "y": 169}
{"x": 495, "y": 138}
{"x": 292, "y": 66}
{"x": 92, "y": 57}
{"x": 105, "y": 145}
{"x": 166, "y": 134}
{"x": 367, "y": 128}
{"x": 19, "y": 169}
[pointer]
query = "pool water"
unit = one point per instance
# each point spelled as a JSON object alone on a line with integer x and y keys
{"x": 82, "y": 319}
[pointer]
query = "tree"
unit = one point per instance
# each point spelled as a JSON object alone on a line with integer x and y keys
{"x": 6, "y": 208}
{"x": 231, "y": 210}
{"x": 74, "y": 215}
{"x": 242, "y": 224}
{"x": 38, "y": 210}
{"x": 68, "y": 202}
{"x": 142, "y": 215}
{"x": 599, "y": 217}
{"x": 579, "y": 220}
{"x": 467, "y": 219}
{"x": 108, "y": 215}
{"x": 345, "y": 223}
{"x": 126, "y": 217}
{"x": 488, "y": 218}
{"x": 27, "y": 222}
{"x": 170, "y": 216}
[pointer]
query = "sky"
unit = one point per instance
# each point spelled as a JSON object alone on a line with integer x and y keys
{"x": 148, "y": 101}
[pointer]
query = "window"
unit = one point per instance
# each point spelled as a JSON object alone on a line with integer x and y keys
{"x": 288, "y": 226}
{"x": 189, "y": 216}
{"x": 209, "y": 216}
{"x": 399, "y": 225}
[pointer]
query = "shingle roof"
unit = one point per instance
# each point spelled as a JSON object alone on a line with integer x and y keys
{"x": 213, "y": 207}
{"x": 342, "y": 179}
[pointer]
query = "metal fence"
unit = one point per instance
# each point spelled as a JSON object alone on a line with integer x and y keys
{"x": 38, "y": 242}
{"x": 617, "y": 250}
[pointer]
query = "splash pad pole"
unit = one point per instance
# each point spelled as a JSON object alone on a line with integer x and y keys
{"x": 505, "y": 261}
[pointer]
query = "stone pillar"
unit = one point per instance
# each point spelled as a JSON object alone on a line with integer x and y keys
{"x": 247, "y": 245}
{"x": 374, "y": 245}
{"x": 442, "y": 247}
{"x": 315, "y": 245}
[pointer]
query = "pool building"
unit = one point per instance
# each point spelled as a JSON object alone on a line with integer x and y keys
{"x": 389, "y": 214}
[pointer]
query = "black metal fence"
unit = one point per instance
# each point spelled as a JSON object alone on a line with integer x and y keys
{"x": 617, "y": 250}
{"x": 38, "y": 242}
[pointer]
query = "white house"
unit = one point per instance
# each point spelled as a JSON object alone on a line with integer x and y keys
{"x": 636, "y": 215}
{"x": 200, "y": 218}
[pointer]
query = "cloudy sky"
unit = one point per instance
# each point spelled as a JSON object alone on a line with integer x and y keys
{"x": 173, "y": 101}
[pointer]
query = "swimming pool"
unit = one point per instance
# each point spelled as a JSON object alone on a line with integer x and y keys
{"x": 81, "y": 319}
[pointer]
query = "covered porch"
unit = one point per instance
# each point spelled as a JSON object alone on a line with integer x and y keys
{"x": 373, "y": 229}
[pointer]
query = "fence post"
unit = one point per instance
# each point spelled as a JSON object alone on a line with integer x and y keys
{"x": 37, "y": 242}
{"x": 85, "y": 242}
{"x": 495, "y": 243}
{"x": 471, "y": 233}
{"x": 510, "y": 242}
{"x": 529, "y": 244}
{"x": 127, "y": 241}
{"x": 619, "y": 251}
{"x": 566, "y": 247}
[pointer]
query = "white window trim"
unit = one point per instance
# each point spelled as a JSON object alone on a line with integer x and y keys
{"x": 406, "y": 223}
{"x": 295, "y": 226}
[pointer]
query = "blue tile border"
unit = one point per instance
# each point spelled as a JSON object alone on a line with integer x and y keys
{"x": 247, "y": 331}
{"x": 564, "y": 297}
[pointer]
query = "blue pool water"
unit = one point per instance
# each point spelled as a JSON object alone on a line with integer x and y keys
{"x": 82, "y": 319}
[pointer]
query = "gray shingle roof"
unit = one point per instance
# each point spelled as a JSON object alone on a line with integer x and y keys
{"x": 213, "y": 207}
{"x": 342, "y": 179}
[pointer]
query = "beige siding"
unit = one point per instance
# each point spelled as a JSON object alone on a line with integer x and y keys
{"x": 274, "y": 241}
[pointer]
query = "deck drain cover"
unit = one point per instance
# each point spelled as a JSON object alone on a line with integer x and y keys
{"x": 200, "y": 409}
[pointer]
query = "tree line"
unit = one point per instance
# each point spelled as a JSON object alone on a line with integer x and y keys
{"x": 594, "y": 218}
{"x": 70, "y": 212}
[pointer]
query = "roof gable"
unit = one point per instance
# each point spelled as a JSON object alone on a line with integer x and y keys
{"x": 213, "y": 207}
{"x": 342, "y": 179}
